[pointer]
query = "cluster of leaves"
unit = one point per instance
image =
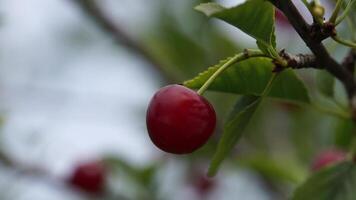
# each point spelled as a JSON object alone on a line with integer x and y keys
{"x": 254, "y": 81}
{"x": 251, "y": 77}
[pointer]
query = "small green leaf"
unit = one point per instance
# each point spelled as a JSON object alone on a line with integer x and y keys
{"x": 337, "y": 182}
{"x": 254, "y": 17}
{"x": 266, "y": 49}
{"x": 250, "y": 77}
{"x": 233, "y": 129}
{"x": 325, "y": 83}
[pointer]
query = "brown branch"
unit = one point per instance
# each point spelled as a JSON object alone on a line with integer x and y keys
{"x": 91, "y": 8}
{"x": 300, "y": 61}
{"x": 350, "y": 61}
{"x": 311, "y": 37}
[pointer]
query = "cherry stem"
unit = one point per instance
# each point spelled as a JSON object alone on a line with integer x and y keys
{"x": 349, "y": 5}
{"x": 248, "y": 53}
{"x": 344, "y": 42}
{"x": 336, "y": 11}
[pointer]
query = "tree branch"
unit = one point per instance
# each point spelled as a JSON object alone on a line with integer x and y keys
{"x": 300, "y": 61}
{"x": 350, "y": 61}
{"x": 91, "y": 8}
{"x": 311, "y": 37}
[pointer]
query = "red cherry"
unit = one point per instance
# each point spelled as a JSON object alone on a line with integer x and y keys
{"x": 327, "y": 158}
{"x": 89, "y": 177}
{"x": 179, "y": 120}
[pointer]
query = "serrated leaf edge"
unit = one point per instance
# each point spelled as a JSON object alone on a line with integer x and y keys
{"x": 206, "y": 72}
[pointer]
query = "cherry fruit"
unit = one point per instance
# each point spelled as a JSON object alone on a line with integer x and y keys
{"x": 89, "y": 177}
{"x": 179, "y": 120}
{"x": 328, "y": 157}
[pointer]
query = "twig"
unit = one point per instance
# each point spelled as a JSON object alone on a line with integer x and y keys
{"x": 336, "y": 11}
{"x": 299, "y": 61}
{"x": 248, "y": 53}
{"x": 91, "y": 8}
{"x": 346, "y": 11}
{"x": 312, "y": 40}
{"x": 350, "y": 61}
{"x": 344, "y": 42}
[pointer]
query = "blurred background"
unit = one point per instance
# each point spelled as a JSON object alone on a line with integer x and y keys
{"x": 76, "y": 77}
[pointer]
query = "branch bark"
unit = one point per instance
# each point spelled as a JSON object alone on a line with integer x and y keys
{"x": 300, "y": 61}
{"x": 104, "y": 22}
{"x": 350, "y": 61}
{"x": 311, "y": 38}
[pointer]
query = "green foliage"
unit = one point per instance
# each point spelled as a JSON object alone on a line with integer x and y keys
{"x": 337, "y": 182}
{"x": 272, "y": 168}
{"x": 233, "y": 129}
{"x": 182, "y": 44}
{"x": 325, "y": 83}
{"x": 143, "y": 176}
{"x": 344, "y": 132}
{"x": 255, "y": 17}
{"x": 250, "y": 77}
{"x": 288, "y": 86}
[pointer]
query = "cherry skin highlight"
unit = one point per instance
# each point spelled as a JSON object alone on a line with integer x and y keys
{"x": 179, "y": 120}
{"x": 89, "y": 177}
{"x": 327, "y": 158}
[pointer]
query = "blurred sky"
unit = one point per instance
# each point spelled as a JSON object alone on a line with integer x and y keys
{"x": 67, "y": 92}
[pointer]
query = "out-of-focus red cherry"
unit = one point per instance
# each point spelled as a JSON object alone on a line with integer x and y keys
{"x": 327, "y": 158}
{"x": 89, "y": 177}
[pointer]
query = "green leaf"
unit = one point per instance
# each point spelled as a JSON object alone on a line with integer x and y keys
{"x": 254, "y": 17}
{"x": 266, "y": 49}
{"x": 344, "y": 132}
{"x": 325, "y": 83}
{"x": 233, "y": 129}
{"x": 118, "y": 164}
{"x": 272, "y": 168}
{"x": 288, "y": 86}
{"x": 250, "y": 77}
{"x": 337, "y": 182}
